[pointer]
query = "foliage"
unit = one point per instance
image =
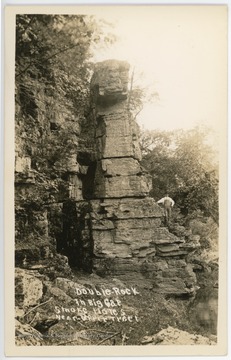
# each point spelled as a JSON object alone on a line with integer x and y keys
{"x": 52, "y": 72}
{"x": 183, "y": 163}
{"x": 208, "y": 232}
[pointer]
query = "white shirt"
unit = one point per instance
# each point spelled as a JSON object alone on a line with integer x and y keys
{"x": 166, "y": 199}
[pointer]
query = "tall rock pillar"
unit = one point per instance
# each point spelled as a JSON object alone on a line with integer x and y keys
{"x": 126, "y": 231}
{"x": 118, "y": 172}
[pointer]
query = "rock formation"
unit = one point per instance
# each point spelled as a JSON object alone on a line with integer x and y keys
{"x": 106, "y": 222}
{"x": 123, "y": 224}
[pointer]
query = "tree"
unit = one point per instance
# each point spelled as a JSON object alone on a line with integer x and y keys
{"x": 158, "y": 159}
{"x": 184, "y": 164}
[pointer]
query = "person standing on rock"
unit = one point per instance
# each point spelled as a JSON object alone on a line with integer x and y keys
{"x": 168, "y": 204}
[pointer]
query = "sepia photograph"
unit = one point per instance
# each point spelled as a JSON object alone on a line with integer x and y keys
{"x": 117, "y": 127}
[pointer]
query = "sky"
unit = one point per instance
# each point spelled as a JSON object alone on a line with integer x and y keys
{"x": 182, "y": 53}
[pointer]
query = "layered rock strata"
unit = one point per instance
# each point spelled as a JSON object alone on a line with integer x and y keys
{"x": 125, "y": 222}
{"x": 105, "y": 221}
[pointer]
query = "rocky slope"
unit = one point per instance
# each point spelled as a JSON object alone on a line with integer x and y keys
{"x": 90, "y": 310}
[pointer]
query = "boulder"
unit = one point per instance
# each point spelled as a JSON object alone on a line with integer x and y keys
{"x": 28, "y": 288}
{"x": 173, "y": 336}
{"x": 110, "y": 81}
{"x": 57, "y": 293}
{"x": 26, "y": 335}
